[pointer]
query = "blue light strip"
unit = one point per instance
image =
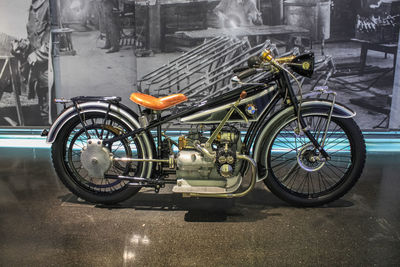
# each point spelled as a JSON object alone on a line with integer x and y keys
{"x": 30, "y": 138}
{"x": 18, "y": 131}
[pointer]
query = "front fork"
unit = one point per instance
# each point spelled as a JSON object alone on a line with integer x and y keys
{"x": 303, "y": 125}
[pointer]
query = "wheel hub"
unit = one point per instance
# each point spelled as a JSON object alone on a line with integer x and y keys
{"x": 308, "y": 159}
{"x": 95, "y": 158}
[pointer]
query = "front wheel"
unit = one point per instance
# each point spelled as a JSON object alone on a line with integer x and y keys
{"x": 299, "y": 175}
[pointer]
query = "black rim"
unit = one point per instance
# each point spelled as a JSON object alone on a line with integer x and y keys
{"x": 290, "y": 155}
{"x": 128, "y": 147}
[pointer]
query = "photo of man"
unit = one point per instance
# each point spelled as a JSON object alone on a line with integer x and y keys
{"x": 28, "y": 72}
{"x": 110, "y": 16}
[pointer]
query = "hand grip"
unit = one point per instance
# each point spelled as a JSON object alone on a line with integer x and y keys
{"x": 240, "y": 69}
{"x": 247, "y": 73}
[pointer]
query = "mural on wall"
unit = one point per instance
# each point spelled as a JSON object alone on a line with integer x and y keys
{"x": 115, "y": 47}
{"x": 355, "y": 43}
{"x": 24, "y": 63}
{"x": 95, "y": 50}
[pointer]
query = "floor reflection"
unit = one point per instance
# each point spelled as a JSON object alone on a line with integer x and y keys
{"x": 52, "y": 227}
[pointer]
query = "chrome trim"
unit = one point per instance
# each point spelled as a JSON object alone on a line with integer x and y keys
{"x": 188, "y": 119}
{"x": 205, "y": 152}
{"x": 216, "y": 122}
{"x": 141, "y": 160}
{"x": 329, "y": 119}
{"x": 347, "y": 113}
{"x": 62, "y": 101}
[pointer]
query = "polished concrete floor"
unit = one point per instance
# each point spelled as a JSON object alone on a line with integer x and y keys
{"x": 42, "y": 224}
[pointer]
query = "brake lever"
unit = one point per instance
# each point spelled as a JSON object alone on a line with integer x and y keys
{"x": 236, "y": 80}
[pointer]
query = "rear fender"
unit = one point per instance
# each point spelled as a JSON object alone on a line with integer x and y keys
{"x": 318, "y": 107}
{"x": 119, "y": 111}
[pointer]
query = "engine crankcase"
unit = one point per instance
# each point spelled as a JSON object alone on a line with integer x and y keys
{"x": 196, "y": 173}
{"x": 192, "y": 165}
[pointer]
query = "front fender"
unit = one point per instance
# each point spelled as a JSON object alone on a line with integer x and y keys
{"x": 319, "y": 107}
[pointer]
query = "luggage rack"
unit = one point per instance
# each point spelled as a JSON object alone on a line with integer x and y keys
{"x": 80, "y": 99}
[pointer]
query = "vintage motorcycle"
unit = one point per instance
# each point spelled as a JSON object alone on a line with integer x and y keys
{"x": 308, "y": 151}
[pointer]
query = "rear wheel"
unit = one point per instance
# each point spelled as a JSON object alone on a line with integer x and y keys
{"x": 67, "y": 151}
{"x": 299, "y": 175}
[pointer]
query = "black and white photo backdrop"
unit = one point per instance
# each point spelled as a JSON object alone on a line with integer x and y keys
{"x": 161, "y": 47}
{"x": 26, "y": 78}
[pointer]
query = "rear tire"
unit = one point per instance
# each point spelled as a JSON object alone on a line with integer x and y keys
{"x": 293, "y": 175}
{"x": 66, "y": 152}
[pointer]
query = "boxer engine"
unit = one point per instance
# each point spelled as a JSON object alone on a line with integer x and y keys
{"x": 217, "y": 173}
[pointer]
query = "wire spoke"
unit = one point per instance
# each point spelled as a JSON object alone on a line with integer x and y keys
{"x": 77, "y": 139}
{"x": 294, "y": 177}
{"x": 284, "y": 163}
{"x": 275, "y": 158}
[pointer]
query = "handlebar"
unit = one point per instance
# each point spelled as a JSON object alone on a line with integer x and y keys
{"x": 240, "y": 69}
{"x": 247, "y": 73}
{"x": 268, "y": 62}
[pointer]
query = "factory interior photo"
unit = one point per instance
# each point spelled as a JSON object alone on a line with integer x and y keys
{"x": 193, "y": 132}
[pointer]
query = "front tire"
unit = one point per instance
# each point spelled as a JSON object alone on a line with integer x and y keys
{"x": 293, "y": 173}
